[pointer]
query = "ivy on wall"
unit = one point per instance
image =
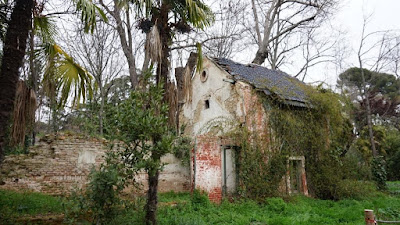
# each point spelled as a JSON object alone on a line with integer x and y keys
{"x": 321, "y": 133}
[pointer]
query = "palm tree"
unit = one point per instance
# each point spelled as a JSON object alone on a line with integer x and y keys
{"x": 62, "y": 74}
{"x": 167, "y": 17}
{"x": 14, "y": 52}
{"x": 44, "y": 28}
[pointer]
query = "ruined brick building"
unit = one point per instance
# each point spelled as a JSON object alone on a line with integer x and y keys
{"x": 211, "y": 103}
{"x": 225, "y": 94}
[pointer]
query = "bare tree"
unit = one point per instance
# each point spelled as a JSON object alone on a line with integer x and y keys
{"x": 120, "y": 12}
{"x": 394, "y": 57}
{"x": 283, "y": 17}
{"x": 100, "y": 54}
{"x": 388, "y": 56}
{"x": 224, "y": 38}
{"x": 376, "y": 56}
{"x": 317, "y": 49}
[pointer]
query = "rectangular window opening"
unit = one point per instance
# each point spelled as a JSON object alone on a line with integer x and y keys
{"x": 207, "y": 104}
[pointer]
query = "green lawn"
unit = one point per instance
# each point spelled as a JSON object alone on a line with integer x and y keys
{"x": 181, "y": 208}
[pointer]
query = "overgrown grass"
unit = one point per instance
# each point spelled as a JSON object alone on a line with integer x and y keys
{"x": 16, "y": 204}
{"x": 394, "y": 188}
{"x": 295, "y": 210}
{"x": 299, "y": 210}
{"x": 184, "y": 208}
{"x": 180, "y": 197}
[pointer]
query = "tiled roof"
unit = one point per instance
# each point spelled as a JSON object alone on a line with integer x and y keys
{"x": 288, "y": 88}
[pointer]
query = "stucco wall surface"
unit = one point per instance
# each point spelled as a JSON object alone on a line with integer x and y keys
{"x": 231, "y": 105}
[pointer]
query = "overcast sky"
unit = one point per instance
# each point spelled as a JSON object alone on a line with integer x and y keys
{"x": 385, "y": 15}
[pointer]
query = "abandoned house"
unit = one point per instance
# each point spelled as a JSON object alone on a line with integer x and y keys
{"x": 222, "y": 95}
{"x": 211, "y": 103}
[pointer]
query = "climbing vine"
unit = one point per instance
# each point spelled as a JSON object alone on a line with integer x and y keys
{"x": 320, "y": 132}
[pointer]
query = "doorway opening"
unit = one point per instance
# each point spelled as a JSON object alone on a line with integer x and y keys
{"x": 296, "y": 176}
{"x": 229, "y": 170}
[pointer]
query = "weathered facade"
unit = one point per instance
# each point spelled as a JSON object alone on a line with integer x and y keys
{"x": 215, "y": 100}
{"x": 58, "y": 164}
{"x": 212, "y": 102}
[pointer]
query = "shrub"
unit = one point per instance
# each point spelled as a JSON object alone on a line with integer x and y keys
{"x": 276, "y": 205}
{"x": 100, "y": 202}
{"x": 351, "y": 189}
{"x": 393, "y": 154}
{"x": 379, "y": 172}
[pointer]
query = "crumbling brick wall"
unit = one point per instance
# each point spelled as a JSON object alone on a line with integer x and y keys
{"x": 60, "y": 163}
{"x": 206, "y": 165}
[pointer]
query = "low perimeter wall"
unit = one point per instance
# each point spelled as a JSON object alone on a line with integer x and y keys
{"x": 58, "y": 164}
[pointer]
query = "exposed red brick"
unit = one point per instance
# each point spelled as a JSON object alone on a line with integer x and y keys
{"x": 55, "y": 167}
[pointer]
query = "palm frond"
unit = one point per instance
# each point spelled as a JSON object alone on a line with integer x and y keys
{"x": 143, "y": 7}
{"x": 63, "y": 75}
{"x": 89, "y": 11}
{"x": 199, "y": 64}
{"x": 199, "y": 14}
{"x": 45, "y": 28}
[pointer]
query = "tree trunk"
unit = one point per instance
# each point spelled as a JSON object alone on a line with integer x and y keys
{"x": 261, "y": 55}
{"x": 151, "y": 205}
{"x": 369, "y": 113}
{"x": 13, "y": 54}
{"x": 54, "y": 116}
{"x": 33, "y": 79}
{"x": 370, "y": 126}
{"x": 163, "y": 67}
{"x": 165, "y": 36}
{"x": 126, "y": 43}
{"x": 162, "y": 77}
{"x": 101, "y": 109}
{"x": 262, "y": 52}
{"x": 125, "y": 37}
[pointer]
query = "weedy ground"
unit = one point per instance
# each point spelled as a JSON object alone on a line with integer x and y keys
{"x": 185, "y": 208}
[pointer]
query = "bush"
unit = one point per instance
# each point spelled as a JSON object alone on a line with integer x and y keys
{"x": 393, "y": 166}
{"x": 182, "y": 148}
{"x": 393, "y": 154}
{"x": 379, "y": 172}
{"x": 351, "y": 189}
{"x": 100, "y": 202}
